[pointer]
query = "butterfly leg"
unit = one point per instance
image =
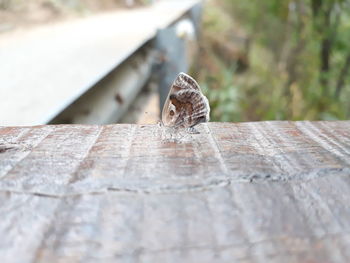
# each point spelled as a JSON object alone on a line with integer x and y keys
{"x": 192, "y": 130}
{"x": 198, "y": 121}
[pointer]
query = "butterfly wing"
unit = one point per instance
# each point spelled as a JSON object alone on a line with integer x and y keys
{"x": 185, "y": 106}
{"x": 185, "y": 82}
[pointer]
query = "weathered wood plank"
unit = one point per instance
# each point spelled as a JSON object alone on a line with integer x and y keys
{"x": 246, "y": 192}
{"x": 24, "y": 220}
{"x": 16, "y": 143}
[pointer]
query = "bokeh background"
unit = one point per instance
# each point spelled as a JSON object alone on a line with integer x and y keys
{"x": 272, "y": 59}
{"x": 257, "y": 60}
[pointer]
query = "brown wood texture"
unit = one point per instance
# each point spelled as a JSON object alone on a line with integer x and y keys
{"x": 245, "y": 192}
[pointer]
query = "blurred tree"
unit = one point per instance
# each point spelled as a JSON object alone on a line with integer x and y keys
{"x": 299, "y": 57}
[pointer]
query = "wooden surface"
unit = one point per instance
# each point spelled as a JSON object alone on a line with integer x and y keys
{"x": 247, "y": 192}
{"x": 45, "y": 69}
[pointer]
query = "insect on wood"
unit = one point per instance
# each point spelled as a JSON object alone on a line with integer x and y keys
{"x": 185, "y": 106}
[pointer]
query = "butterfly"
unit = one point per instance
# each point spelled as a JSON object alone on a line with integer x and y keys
{"x": 185, "y": 106}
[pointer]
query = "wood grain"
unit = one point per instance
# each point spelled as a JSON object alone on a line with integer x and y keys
{"x": 245, "y": 192}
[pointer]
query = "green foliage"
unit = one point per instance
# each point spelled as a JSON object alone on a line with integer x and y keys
{"x": 299, "y": 59}
{"x": 224, "y": 101}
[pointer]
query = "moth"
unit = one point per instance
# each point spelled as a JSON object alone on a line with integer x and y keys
{"x": 185, "y": 106}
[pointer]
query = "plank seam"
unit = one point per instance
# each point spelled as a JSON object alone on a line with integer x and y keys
{"x": 325, "y": 142}
{"x": 216, "y": 149}
{"x": 26, "y": 155}
{"x": 74, "y": 179}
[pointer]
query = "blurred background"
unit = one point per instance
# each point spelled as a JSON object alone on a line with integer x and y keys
{"x": 271, "y": 59}
{"x": 107, "y": 61}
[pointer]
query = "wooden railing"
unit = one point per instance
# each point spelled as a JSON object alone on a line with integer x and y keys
{"x": 244, "y": 192}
